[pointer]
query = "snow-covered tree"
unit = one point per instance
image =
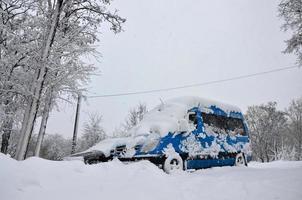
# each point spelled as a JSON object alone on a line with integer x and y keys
{"x": 55, "y": 147}
{"x": 57, "y": 34}
{"x": 17, "y": 37}
{"x": 268, "y": 128}
{"x": 93, "y": 132}
{"x": 294, "y": 113}
{"x": 291, "y": 12}
{"x": 13, "y": 142}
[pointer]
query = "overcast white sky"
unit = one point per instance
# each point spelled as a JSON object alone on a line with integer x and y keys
{"x": 174, "y": 43}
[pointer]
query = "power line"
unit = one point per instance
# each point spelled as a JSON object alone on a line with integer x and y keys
{"x": 193, "y": 85}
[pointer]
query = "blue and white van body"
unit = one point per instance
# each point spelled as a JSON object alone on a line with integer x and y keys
{"x": 182, "y": 133}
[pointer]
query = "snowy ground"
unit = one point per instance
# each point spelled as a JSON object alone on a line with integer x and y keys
{"x": 36, "y": 178}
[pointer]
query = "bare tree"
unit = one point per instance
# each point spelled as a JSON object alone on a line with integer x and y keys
{"x": 93, "y": 132}
{"x": 135, "y": 115}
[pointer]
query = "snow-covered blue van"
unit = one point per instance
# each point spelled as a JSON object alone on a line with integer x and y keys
{"x": 180, "y": 134}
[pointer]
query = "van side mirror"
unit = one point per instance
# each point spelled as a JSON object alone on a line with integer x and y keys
{"x": 183, "y": 125}
{"x": 192, "y": 118}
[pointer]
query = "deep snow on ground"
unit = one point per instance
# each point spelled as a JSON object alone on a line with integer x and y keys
{"x": 36, "y": 178}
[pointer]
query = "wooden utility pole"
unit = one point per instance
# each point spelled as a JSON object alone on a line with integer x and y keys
{"x": 75, "y": 128}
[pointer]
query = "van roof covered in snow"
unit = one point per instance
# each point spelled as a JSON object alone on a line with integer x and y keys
{"x": 166, "y": 117}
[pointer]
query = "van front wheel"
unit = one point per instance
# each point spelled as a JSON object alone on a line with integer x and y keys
{"x": 173, "y": 163}
{"x": 240, "y": 160}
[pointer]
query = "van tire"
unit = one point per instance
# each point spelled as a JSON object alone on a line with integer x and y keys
{"x": 173, "y": 163}
{"x": 240, "y": 160}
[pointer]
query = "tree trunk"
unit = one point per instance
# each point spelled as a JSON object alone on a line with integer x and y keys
{"x": 7, "y": 125}
{"x": 38, "y": 85}
{"x": 24, "y": 125}
{"x": 7, "y": 129}
{"x": 44, "y": 120}
{"x": 299, "y": 149}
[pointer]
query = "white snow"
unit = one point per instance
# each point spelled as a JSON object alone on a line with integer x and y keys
{"x": 168, "y": 116}
{"x": 35, "y": 179}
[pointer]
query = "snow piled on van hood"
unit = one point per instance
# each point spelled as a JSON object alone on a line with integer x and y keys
{"x": 166, "y": 117}
{"x": 105, "y": 146}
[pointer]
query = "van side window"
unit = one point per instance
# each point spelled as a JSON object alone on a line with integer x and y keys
{"x": 236, "y": 126}
{"x": 222, "y": 125}
{"x": 214, "y": 121}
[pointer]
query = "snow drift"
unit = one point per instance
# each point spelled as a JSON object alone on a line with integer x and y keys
{"x": 35, "y": 179}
